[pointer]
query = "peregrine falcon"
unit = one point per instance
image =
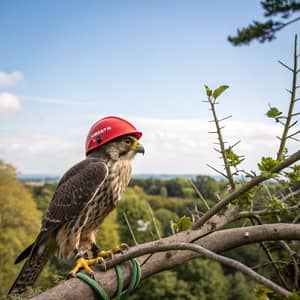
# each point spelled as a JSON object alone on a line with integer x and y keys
{"x": 84, "y": 196}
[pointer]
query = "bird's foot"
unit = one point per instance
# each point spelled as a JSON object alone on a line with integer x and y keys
{"x": 84, "y": 263}
{"x": 108, "y": 254}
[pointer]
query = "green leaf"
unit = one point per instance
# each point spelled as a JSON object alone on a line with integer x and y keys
{"x": 233, "y": 159}
{"x": 182, "y": 223}
{"x": 217, "y": 92}
{"x": 208, "y": 91}
{"x": 273, "y": 112}
{"x": 294, "y": 176}
{"x": 262, "y": 292}
{"x": 245, "y": 199}
{"x": 267, "y": 164}
{"x": 277, "y": 204}
{"x": 294, "y": 296}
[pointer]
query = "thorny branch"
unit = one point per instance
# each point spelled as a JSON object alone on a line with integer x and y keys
{"x": 288, "y": 122}
{"x": 212, "y": 102}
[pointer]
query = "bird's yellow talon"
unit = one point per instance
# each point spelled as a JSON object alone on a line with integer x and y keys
{"x": 82, "y": 263}
{"x": 108, "y": 254}
{"x": 104, "y": 254}
{"x": 120, "y": 248}
{"x": 100, "y": 259}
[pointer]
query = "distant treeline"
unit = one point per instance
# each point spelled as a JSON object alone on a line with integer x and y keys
{"x": 180, "y": 187}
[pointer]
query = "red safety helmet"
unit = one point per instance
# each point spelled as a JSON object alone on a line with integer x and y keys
{"x": 108, "y": 129}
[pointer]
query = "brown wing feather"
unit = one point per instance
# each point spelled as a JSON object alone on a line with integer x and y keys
{"x": 75, "y": 188}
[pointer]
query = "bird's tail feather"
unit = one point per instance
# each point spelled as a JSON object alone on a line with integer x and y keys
{"x": 31, "y": 269}
{"x": 24, "y": 254}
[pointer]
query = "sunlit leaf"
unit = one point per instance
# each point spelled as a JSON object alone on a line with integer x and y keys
{"x": 273, "y": 112}
{"x": 217, "y": 92}
{"x": 208, "y": 91}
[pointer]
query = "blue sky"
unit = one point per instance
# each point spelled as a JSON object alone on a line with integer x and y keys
{"x": 69, "y": 63}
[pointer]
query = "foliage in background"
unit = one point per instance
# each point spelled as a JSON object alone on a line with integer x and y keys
{"x": 134, "y": 205}
{"x": 19, "y": 224}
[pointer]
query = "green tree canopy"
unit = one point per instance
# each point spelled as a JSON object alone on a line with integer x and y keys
{"x": 108, "y": 234}
{"x": 209, "y": 187}
{"x": 19, "y": 223}
{"x": 206, "y": 280}
{"x": 134, "y": 205}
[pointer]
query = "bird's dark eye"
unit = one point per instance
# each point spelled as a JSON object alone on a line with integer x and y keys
{"x": 127, "y": 141}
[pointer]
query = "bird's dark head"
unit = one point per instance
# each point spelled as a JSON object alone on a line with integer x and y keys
{"x": 124, "y": 147}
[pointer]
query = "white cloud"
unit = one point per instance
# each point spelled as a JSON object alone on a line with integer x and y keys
{"x": 56, "y": 100}
{"x": 9, "y": 103}
{"x": 178, "y": 146}
{"x": 39, "y": 153}
{"x": 185, "y": 146}
{"x": 10, "y": 79}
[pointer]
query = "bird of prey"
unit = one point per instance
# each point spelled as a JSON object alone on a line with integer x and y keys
{"x": 84, "y": 196}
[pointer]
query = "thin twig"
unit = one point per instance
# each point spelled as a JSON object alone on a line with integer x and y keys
{"x": 154, "y": 220}
{"x": 286, "y": 24}
{"x": 216, "y": 170}
{"x": 199, "y": 194}
{"x": 269, "y": 255}
{"x": 291, "y": 254}
{"x": 130, "y": 229}
{"x": 286, "y": 66}
{"x": 266, "y": 264}
{"x": 225, "y": 118}
{"x": 293, "y": 134}
{"x": 291, "y": 195}
{"x": 264, "y": 212}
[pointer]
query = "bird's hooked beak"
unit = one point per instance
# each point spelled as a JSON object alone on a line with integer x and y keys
{"x": 138, "y": 148}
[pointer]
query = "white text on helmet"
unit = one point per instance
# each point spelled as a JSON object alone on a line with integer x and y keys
{"x": 101, "y": 131}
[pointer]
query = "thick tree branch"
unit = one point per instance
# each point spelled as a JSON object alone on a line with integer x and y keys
{"x": 217, "y": 242}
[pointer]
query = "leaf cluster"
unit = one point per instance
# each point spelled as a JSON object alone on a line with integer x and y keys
{"x": 182, "y": 223}
{"x": 283, "y": 7}
{"x": 217, "y": 92}
{"x": 266, "y": 165}
{"x": 234, "y": 159}
{"x": 262, "y": 31}
{"x": 274, "y": 113}
{"x": 294, "y": 175}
